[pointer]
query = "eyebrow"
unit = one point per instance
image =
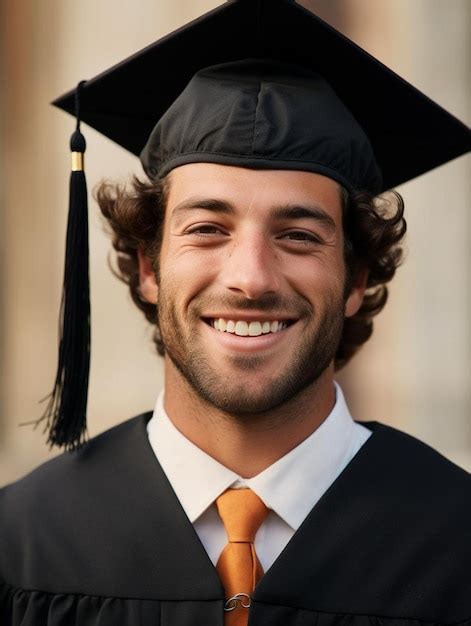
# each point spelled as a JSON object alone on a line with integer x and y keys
{"x": 280, "y": 213}
{"x": 300, "y": 212}
{"x": 218, "y": 206}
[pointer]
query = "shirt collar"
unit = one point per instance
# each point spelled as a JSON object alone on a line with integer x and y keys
{"x": 196, "y": 477}
{"x": 291, "y": 486}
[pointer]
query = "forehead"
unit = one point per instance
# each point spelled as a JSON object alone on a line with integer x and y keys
{"x": 258, "y": 189}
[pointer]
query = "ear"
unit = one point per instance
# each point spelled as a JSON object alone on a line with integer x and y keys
{"x": 357, "y": 293}
{"x": 147, "y": 283}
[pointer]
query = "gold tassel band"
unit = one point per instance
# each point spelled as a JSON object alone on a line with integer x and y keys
{"x": 77, "y": 162}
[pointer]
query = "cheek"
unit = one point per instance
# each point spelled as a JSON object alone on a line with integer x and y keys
{"x": 317, "y": 277}
{"x": 186, "y": 272}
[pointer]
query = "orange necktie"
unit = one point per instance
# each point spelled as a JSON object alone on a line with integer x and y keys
{"x": 239, "y": 569}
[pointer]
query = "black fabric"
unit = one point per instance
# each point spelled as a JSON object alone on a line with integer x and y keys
{"x": 263, "y": 115}
{"x": 97, "y": 537}
{"x": 409, "y": 133}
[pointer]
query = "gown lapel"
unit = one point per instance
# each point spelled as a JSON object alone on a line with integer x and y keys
{"x": 313, "y": 571}
{"x": 382, "y": 541}
{"x": 165, "y": 558}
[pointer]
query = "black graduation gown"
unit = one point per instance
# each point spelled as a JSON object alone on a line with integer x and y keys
{"x": 98, "y": 538}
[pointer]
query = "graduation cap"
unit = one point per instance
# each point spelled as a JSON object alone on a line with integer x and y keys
{"x": 253, "y": 83}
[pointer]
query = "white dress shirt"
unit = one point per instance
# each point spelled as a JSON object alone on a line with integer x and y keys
{"x": 290, "y": 487}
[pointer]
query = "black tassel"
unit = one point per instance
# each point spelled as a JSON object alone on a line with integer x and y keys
{"x": 66, "y": 410}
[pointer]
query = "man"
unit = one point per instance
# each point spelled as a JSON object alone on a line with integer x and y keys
{"x": 259, "y": 251}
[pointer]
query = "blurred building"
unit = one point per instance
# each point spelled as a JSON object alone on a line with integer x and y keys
{"x": 413, "y": 374}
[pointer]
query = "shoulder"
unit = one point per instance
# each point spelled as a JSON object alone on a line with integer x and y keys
{"x": 414, "y": 458}
{"x": 77, "y": 491}
{"x": 71, "y": 468}
{"x": 416, "y": 478}
{"x": 420, "y": 506}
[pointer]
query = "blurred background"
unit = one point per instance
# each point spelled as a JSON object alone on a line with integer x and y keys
{"x": 413, "y": 374}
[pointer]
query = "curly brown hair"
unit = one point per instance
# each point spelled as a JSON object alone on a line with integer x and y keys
{"x": 373, "y": 230}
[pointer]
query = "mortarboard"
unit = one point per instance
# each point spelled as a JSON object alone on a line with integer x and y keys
{"x": 254, "y": 83}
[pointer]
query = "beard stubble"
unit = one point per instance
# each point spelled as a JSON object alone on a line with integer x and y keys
{"x": 316, "y": 350}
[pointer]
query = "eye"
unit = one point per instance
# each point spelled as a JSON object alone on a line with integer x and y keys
{"x": 204, "y": 229}
{"x": 302, "y": 236}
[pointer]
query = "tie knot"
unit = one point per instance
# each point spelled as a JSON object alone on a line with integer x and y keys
{"x": 242, "y": 513}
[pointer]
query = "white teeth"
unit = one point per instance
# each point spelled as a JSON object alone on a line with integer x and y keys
{"x": 241, "y": 328}
{"x": 222, "y": 324}
{"x": 247, "y": 329}
{"x": 255, "y": 329}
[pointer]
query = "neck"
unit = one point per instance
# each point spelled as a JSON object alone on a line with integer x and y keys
{"x": 247, "y": 446}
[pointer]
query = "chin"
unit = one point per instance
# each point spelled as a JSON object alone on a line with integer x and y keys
{"x": 242, "y": 400}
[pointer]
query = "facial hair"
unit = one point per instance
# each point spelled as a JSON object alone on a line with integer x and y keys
{"x": 316, "y": 350}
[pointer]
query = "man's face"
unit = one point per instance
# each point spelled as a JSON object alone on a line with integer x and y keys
{"x": 251, "y": 282}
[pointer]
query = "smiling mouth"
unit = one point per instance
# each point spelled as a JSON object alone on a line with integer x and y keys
{"x": 243, "y": 328}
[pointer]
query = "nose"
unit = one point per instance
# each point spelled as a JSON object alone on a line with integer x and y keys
{"x": 251, "y": 267}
